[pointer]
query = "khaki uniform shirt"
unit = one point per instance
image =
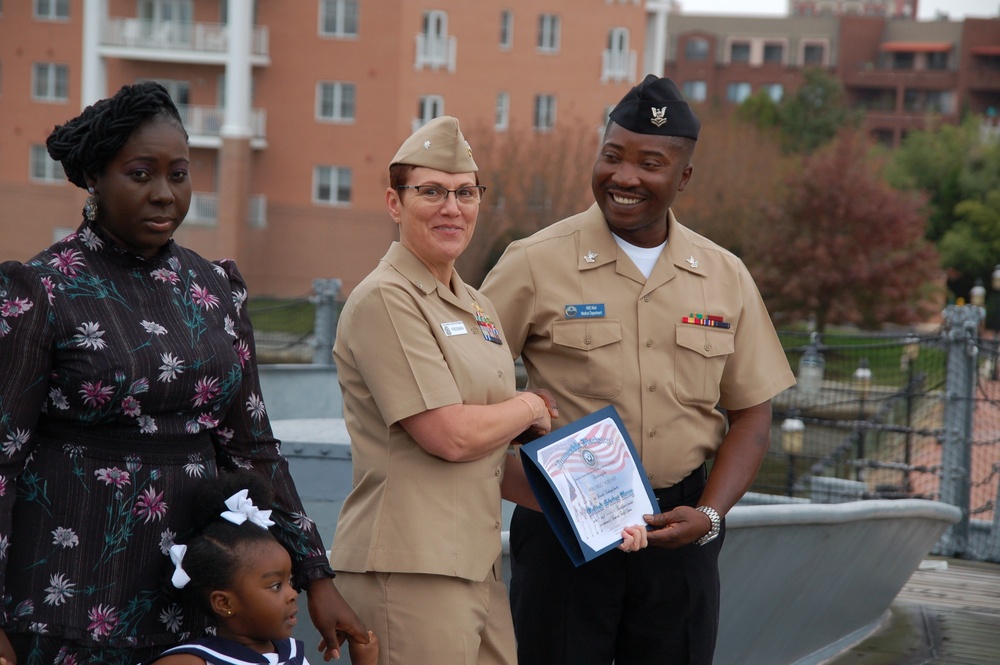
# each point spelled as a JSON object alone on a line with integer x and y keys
{"x": 406, "y": 344}
{"x": 593, "y": 331}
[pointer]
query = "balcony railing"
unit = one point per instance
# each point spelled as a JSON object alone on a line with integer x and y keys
{"x": 435, "y": 52}
{"x": 176, "y": 36}
{"x": 204, "y": 210}
{"x": 206, "y": 122}
{"x": 618, "y": 66}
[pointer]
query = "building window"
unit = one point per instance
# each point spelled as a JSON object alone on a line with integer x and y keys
{"x": 52, "y": 10}
{"x": 332, "y": 185}
{"x": 335, "y": 101}
{"x": 545, "y": 112}
{"x": 902, "y": 60}
{"x": 43, "y": 167}
{"x": 338, "y": 18}
{"x": 774, "y": 90}
{"x": 501, "y": 121}
{"x": 694, "y": 91}
{"x": 737, "y": 92}
{"x": 739, "y": 52}
{"x": 428, "y": 108}
{"x": 506, "y": 29}
{"x": 696, "y": 49}
{"x": 617, "y": 61}
{"x": 814, "y": 54}
{"x": 937, "y": 60}
{"x": 50, "y": 82}
{"x": 548, "y": 33}
{"x": 434, "y": 47}
{"x": 774, "y": 53}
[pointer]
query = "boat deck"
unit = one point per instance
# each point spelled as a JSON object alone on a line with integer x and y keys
{"x": 948, "y": 613}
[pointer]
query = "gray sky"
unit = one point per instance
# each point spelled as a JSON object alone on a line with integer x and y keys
{"x": 956, "y": 9}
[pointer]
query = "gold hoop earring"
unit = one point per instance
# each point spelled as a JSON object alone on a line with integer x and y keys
{"x": 90, "y": 206}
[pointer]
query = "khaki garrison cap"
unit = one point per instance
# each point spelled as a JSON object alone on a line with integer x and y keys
{"x": 438, "y": 145}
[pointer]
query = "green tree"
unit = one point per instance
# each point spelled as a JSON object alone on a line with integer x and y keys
{"x": 808, "y": 118}
{"x": 961, "y": 176}
{"x": 843, "y": 246}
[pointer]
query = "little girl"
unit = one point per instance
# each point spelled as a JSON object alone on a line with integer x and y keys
{"x": 242, "y": 576}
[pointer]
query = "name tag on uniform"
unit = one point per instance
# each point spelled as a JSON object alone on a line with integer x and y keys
{"x": 592, "y": 311}
{"x": 454, "y": 328}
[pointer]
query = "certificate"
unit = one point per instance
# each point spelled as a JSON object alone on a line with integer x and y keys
{"x": 589, "y": 482}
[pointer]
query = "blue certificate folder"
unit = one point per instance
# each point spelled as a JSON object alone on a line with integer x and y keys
{"x": 552, "y": 500}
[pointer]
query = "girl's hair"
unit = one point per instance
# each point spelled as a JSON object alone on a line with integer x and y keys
{"x": 86, "y": 144}
{"x": 215, "y": 551}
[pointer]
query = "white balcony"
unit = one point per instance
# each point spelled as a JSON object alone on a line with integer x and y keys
{"x": 435, "y": 52}
{"x": 204, "y": 210}
{"x": 176, "y": 41}
{"x": 204, "y": 126}
{"x": 618, "y": 66}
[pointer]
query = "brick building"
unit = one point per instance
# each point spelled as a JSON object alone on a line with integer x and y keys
{"x": 294, "y": 108}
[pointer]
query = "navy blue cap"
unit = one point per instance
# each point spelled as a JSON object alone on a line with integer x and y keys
{"x": 655, "y": 106}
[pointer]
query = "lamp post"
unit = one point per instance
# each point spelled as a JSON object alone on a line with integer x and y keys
{"x": 862, "y": 383}
{"x": 811, "y": 368}
{"x": 792, "y": 436}
{"x": 911, "y": 351}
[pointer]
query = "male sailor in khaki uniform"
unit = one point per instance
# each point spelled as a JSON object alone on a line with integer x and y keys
{"x": 621, "y": 304}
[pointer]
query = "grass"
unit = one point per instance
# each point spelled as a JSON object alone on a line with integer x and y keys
{"x": 277, "y": 315}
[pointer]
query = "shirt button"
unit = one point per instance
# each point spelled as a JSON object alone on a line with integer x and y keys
{"x": 497, "y": 472}
{"x": 652, "y": 433}
{"x": 496, "y": 525}
{"x": 475, "y": 331}
{"x": 645, "y": 298}
{"x": 649, "y": 342}
{"x": 708, "y": 347}
{"x": 500, "y": 373}
{"x": 652, "y": 387}
{"x": 586, "y": 340}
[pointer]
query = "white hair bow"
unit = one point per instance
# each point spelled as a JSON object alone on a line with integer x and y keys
{"x": 179, "y": 578}
{"x": 242, "y": 509}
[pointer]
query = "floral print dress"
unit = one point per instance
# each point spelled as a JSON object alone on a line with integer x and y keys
{"x": 124, "y": 383}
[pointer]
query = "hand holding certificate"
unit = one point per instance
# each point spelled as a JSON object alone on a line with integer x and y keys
{"x": 589, "y": 482}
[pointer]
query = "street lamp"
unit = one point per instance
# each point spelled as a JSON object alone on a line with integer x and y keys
{"x": 792, "y": 437}
{"x": 862, "y": 383}
{"x": 977, "y": 296}
{"x": 811, "y": 368}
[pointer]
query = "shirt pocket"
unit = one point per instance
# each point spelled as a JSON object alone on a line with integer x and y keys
{"x": 592, "y": 351}
{"x": 701, "y": 356}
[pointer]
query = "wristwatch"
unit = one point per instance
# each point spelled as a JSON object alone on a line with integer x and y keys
{"x": 713, "y": 533}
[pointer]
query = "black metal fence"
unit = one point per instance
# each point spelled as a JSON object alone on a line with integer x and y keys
{"x": 869, "y": 419}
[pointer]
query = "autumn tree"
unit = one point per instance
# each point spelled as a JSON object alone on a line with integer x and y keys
{"x": 737, "y": 171}
{"x": 843, "y": 246}
{"x": 532, "y": 179}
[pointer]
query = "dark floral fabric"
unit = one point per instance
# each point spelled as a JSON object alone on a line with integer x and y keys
{"x": 124, "y": 383}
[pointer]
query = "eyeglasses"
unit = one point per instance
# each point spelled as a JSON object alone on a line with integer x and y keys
{"x": 469, "y": 195}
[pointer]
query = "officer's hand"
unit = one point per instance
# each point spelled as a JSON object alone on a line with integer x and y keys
{"x": 678, "y": 527}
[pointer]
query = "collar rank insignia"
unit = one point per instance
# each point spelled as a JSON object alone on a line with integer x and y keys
{"x": 427, "y": 145}
{"x": 691, "y": 261}
{"x": 659, "y": 116}
{"x": 590, "y": 257}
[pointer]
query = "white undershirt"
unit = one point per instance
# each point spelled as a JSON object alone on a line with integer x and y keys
{"x": 644, "y": 258}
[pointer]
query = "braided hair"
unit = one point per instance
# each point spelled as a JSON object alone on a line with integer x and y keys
{"x": 86, "y": 144}
{"x": 215, "y": 552}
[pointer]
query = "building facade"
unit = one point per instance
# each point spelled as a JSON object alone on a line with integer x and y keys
{"x": 294, "y": 108}
{"x": 905, "y": 75}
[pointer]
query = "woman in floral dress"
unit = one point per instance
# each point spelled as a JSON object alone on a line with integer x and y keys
{"x": 128, "y": 378}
